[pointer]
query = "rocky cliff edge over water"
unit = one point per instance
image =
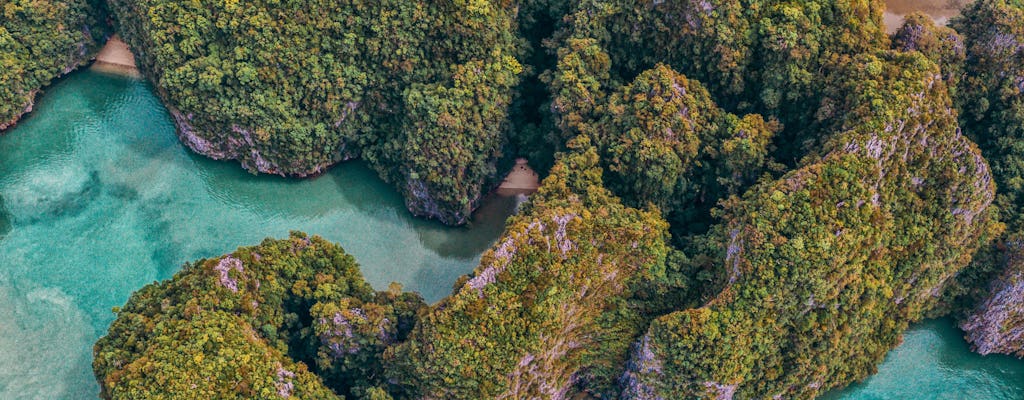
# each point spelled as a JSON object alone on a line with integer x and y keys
{"x": 997, "y": 325}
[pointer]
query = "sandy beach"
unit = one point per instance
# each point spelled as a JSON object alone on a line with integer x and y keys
{"x": 940, "y": 11}
{"x": 521, "y": 180}
{"x": 116, "y": 57}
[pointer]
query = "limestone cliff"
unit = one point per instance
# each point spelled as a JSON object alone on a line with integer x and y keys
{"x": 545, "y": 312}
{"x": 997, "y": 325}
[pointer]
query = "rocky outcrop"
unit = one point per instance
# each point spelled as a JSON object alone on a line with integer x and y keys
{"x": 997, "y": 325}
{"x": 240, "y": 146}
{"x": 429, "y": 116}
{"x": 422, "y": 203}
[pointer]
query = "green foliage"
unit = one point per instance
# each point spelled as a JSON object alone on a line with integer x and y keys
{"x": 39, "y": 41}
{"x": 353, "y": 336}
{"x": 944, "y": 46}
{"x": 827, "y": 266}
{"x": 418, "y": 89}
{"x": 664, "y": 142}
{"x": 768, "y": 57}
{"x": 991, "y": 97}
{"x": 802, "y": 284}
{"x": 246, "y": 325}
{"x": 546, "y": 309}
{"x": 991, "y": 105}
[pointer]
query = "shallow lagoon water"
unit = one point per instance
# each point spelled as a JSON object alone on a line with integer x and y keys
{"x": 102, "y": 199}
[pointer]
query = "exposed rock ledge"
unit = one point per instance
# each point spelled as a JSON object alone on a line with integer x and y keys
{"x": 997, "y": 325}
{"x": 241, "y": 147}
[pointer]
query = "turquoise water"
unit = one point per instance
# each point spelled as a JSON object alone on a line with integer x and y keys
{"x": 101, "y": 199}
{"x": 934, "y": 362}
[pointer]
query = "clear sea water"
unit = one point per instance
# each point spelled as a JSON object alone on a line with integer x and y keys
{"x": 101, "y": 199}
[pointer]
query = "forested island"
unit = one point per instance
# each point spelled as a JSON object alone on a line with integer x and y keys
{"x": 743, "y": 199}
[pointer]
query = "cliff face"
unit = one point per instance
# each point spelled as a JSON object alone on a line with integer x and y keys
{"x": 991, "y": 100}
{"x": 827, "y": 266}
{"x": 419, "y": 90}
{"x": 997, "y": 325}
{"x": 41, "y": 41}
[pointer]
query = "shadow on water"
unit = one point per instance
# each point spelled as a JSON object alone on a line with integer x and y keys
{"x": 5, "y": 220}
{"x": 486, "y": 225}
{"x": 351, "y": 185}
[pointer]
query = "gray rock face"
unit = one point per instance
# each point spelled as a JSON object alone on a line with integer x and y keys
{"x": 240, "y": 146}
{"x": 422, "y": 203}
{"x": 997, "y": 325}
{"x": 642, "y": 362}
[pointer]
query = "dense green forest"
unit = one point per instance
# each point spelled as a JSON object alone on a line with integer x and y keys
{"x": 744, "y": 198}
{"x": 39, "y": 41}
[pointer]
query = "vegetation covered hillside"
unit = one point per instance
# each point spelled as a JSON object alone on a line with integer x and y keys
{"x": 548, "y": 308}
{"x": 768, "y": 57}
{"x": 828, "y": 265}
{"x": 41, "y": 40}
{"x": 750, "y": 199}
{"x": 991, "y": 98}
{"x": 418, "y": 89}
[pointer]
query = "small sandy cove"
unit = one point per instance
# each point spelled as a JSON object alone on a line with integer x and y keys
{"x": 116, "y": 57}
{"x": 521, "y": 180}
{"x": 940, "y": 11}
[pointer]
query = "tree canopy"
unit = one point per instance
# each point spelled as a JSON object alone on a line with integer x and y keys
{"x": 41, "y": 40}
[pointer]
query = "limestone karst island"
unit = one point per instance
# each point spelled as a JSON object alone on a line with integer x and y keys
{"x": 512, "y": 199}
